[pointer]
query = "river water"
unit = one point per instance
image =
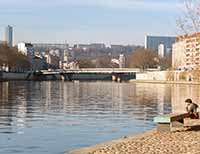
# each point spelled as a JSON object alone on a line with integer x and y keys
{"x": 51, "y": 117}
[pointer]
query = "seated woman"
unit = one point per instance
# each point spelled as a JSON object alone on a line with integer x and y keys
{"x": 191, "y": 108}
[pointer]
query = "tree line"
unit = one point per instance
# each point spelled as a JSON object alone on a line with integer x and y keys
{"x": 140, "y": 58}
{"x": 147, "y": 58}
{"x": 11, "y": 58}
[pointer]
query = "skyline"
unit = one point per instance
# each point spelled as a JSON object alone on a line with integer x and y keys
{"x": 87, "y": 21}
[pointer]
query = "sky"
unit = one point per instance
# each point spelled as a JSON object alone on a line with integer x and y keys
{"x": 89, "y": 21}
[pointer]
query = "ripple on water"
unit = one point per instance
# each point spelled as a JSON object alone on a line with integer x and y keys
{"x": 51, "y": 117}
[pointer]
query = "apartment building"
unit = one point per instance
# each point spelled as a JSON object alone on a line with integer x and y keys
{"x": 186, "y": 52}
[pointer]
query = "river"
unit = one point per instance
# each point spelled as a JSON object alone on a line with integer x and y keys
{"x": 51, "y": 117}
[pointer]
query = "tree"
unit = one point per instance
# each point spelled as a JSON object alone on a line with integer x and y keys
{"x": 190, "y": 21}
{"x": 13, "y": 59}
{"x": 165, "y": 62}
{"x": 100, "y": 62}
{"x": 86, "y": 63}
{"x": 143, "y": 59}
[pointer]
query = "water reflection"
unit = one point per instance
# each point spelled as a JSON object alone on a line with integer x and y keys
{"x": 180, "y": 93}
{"x": 55, "y": 116}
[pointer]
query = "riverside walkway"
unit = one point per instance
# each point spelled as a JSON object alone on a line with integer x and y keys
{"x": 152, "y": 142}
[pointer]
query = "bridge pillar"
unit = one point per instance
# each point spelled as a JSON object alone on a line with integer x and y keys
{"x": 118, "y": 79}
{"x": 114, "y": 77}
{"x": 62, "y": 77}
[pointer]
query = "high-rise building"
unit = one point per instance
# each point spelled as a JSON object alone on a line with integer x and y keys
{"x": 153, "y": 42}
{"x": 9, "y": 36}
{"x": 161, "y": 50}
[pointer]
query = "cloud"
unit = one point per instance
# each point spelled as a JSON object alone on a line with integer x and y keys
{"x": 159, "y": 5}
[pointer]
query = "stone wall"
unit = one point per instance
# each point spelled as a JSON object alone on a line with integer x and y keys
{"x": 14, "y": 76}
{"x": 156, "y": 75}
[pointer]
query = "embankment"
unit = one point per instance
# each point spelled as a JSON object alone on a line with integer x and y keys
{"x": 152, "y": 142}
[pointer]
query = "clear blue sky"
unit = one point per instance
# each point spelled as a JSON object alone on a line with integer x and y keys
{"x": 88, "y": 21}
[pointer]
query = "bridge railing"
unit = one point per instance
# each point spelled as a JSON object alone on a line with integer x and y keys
{"x": 106, "y": 70}
{"x": 93, "y": 70}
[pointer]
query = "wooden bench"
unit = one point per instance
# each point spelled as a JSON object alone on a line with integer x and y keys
{"x": 165, "y": 122}
{"x": 192, "y": 123}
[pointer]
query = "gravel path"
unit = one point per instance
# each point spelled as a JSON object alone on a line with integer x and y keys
{"x": 184, "y": 142}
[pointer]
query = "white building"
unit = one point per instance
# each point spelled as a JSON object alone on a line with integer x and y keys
{"x": 9, "y": 36}
{"x": 121, "y": 61}
{"x": 161, "y": 50}
{"x": 25, "y": 48}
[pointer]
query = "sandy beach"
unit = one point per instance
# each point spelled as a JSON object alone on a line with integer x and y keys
{"x": 152, "y": 142}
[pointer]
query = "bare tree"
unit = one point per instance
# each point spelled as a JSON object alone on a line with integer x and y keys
{"x": 190, "y": 21}
{"x": 165, "y": 62}
{"x": 13, "y": 59}
{"x": 143, "y": 59}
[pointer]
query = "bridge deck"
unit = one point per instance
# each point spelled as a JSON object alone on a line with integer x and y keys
{"x": 94, "y": 70}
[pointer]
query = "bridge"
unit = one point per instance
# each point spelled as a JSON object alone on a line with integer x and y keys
{"x": 115, "y": 74}
{"x": 93, "y": 70}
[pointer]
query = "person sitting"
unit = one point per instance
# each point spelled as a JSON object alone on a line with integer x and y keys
{"x": 191, "y": 108}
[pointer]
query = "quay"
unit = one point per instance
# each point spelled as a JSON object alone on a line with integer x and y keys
{"x": 151, "y": 142}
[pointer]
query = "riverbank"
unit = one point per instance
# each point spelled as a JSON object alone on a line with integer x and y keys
{"x": 152, "y": 142}
{"x": 165, "y": 82}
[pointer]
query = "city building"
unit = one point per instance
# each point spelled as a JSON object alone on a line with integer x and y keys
{"x": 153, "y": 42}
{"x": 82, "y": 46}
{"x": 3, "y": 42}
{"x": 39, "y": 63}
{"x": 118, "y": 48}
{"x": 53, "y": 61}
{"x": 161, "y": 50}
{"x": 121, "y": 61}
{"x": 26, "y": 48}
{"x": 51, "y": 45}
{"x": 90, "y": 46}
{"x": 9, "y": 35}
{"x": 55, "y": 52}
{"x": 178, "y": 55}
{"x": 97, "y": 46}
{"x": 186, "y": 52}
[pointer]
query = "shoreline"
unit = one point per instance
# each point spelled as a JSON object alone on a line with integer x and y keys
{"x": 130, "y": 81}
{"x": 86, "y": 150}
{"x": 166, "y": 82}
{"x": 149, "y": 142}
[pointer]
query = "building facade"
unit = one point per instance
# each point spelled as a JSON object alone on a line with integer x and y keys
{"x": 26, "y": 48}
{"x": 178, "y": 55}
{"x": 9, "y": 36}
{"x": 53, "y": 61}
{"x": 39, "y": 63}
{"x": 153, "y": 42}
{"x": 51, "y": 45}
{"x": 186, "y": 52}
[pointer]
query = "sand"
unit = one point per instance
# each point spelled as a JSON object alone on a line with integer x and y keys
{"x": 152, "y": 142}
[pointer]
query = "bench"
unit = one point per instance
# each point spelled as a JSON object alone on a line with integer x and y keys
{"x": 192, "y": 123}
{"x": 166, "y": 122}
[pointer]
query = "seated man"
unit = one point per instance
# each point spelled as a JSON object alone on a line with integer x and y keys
{"x": 191, "y": 108}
